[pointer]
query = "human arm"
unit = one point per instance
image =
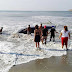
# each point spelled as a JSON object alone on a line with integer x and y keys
{"x": 69, "y": 35}
{"x": 40, "y": 33}
{"x": 56, "y": 31}
{"x": 60, "y": 35}
{"x": 49, "y": 32}
{"x": 34, "y": 35}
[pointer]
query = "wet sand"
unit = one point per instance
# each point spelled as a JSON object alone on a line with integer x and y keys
{"x": 53, "y": 64}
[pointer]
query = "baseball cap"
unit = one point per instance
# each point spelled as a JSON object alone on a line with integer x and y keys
{"x": 53, "y": 26}
{"x": 45, "y": 26}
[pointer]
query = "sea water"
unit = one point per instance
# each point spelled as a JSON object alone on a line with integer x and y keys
{"x": 18, "y": 48}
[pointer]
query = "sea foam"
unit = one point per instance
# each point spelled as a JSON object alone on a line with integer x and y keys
{"x": 19, "y": 48}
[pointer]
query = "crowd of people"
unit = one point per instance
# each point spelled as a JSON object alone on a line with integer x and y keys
{"x": 40, "y": 34}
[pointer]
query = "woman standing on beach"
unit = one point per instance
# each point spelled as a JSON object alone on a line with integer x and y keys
{"x": 37, "y": 35}
{"x": 64, "y": 36}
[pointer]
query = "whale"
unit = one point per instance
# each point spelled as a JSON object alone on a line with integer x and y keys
{"x": 24, "y": 31}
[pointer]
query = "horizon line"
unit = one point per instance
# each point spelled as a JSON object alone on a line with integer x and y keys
{"x": 33, "y": 10}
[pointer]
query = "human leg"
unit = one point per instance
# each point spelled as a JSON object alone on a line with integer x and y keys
{"x": 66, "y": 41}
{"x": 36, "y": 44}
{"x": 50, "y": 37}
{"x": 62, "y": 46}
{"x": 45, "y": 39}
{"x": 42, "y": 39}
{"x": 53, "y": 38}
{"x": 62, "y": 41}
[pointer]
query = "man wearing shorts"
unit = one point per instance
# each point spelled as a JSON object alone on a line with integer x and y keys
{"x": 29, "y": 30}
{"x": 52, "y": 31}
{"x": 44, "y": 34}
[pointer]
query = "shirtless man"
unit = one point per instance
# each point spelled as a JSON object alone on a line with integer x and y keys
{"x": 40, "y": 28}
{"x": 44, "y": 34}
{"x": 29, "y": 30}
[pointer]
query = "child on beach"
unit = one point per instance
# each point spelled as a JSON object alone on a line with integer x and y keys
{"x": 64, "y": 36}
{"x": 52, "y": 31}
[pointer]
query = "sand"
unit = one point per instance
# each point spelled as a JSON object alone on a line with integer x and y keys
{"x": 52, "y": 64}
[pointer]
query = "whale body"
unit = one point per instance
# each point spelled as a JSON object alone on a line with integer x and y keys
{"x": 32, "y": 29}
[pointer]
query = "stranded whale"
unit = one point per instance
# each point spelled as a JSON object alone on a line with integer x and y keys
{"x": 32, "y": 29}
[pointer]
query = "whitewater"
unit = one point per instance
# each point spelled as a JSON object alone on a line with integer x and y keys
{"x": 17, "y": 48}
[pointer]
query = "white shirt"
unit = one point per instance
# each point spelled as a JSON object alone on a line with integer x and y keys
{"x": 65, "y": 34}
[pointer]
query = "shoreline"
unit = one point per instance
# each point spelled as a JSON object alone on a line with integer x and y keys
{"x": 53, "y": 64}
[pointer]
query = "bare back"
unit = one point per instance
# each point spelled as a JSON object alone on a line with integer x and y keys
{"x": 37, "y": 32}
{"x": 29, "y": 29}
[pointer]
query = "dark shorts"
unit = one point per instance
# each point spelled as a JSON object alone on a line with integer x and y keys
{"x": 52, "y": 36}
{"x": 37, "y": 38}
{"x": 44, "y": 37}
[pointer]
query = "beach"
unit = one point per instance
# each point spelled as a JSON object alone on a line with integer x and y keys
{"x": 53, "y": 64}
{"x": 19, "y": 49}
{"x": 36, "y": 36}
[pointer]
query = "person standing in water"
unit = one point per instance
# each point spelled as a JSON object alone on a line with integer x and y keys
{"x": 52, "y": 31}
{"x": 44, "y": 34}
{"x": 29, "y": 30}
{"x": 1, "y": 30}
{"x": 64, "y": 36}
{"x": 40, "y": 28}
{"x": 37, "y": 35}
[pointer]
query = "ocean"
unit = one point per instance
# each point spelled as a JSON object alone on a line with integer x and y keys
{"x": 18, "y": 48}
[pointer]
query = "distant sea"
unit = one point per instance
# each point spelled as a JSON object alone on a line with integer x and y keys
{"x": 40, "y": 13}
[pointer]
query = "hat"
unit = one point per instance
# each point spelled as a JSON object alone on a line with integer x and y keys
{"x": 52, "y": 26}
{"x": 45, "y": 26}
